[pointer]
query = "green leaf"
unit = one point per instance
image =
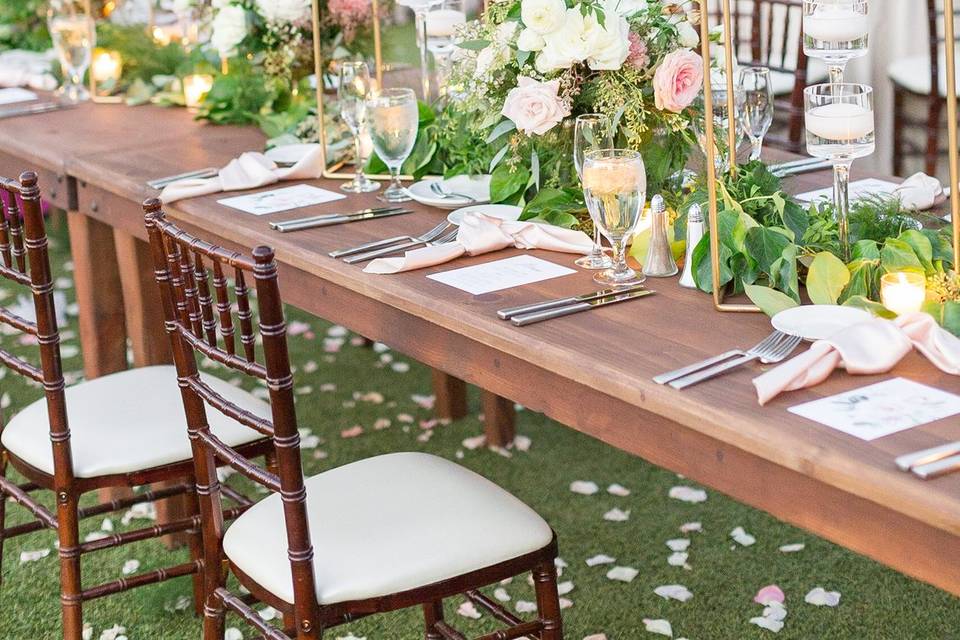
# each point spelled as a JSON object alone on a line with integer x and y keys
{"x": 897, "y": 255}
{"x": 507, "y": 181}
{"x": 827, "y": 278}
{"x": 770, "y": 301}
{"x": 866, "y": 250}
{"x": 765, "y": 246}
{"x": 474, "y": 45}
{"x": 795, "y": 218}
{"x": 921, "y": 246}
{"x": 732, "y": 229}
{"x": 703, "y": 269}
{"x": 505, "y": 126}
{"x": 568, "y": 202}
{"x": 946, "y": 314}
{"x": 875, "y": 308}
{"x": 864, "y": 280}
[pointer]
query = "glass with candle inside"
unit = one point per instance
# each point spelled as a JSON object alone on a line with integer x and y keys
{"x": 442, "y": 22}
{"x": 840, "y": 128}
{"x": 903, "y": 291}
{"x": 835, "y": 31}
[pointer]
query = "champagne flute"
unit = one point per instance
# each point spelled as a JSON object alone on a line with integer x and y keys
{"x": 352, "y": 93}
{"x": 592, "y": 131}
{"x": 74, "y": 36}
{"x": 615, "y": 189}
{"x": 441, "y": 25}
{"x": 393, "y": 118}
{"x": 835, "y": 31}
{"x": 757, "y": 106}
{"x": 840, "y": 128}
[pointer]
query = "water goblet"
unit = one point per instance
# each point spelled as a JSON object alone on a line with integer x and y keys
{"x": 74, "y": 36}
{"x": 757, "y": 90}
{"x": 840, "y": 128}
{"x": 615, "y": 189}
{"x": 352, "y": 93}
{"x": 835, "y": 31}
{"x": 393, "y": 119}
{"x": 591, "y": 131}
{"x": 441, "y": 24}
{"x": 721, "y": 123}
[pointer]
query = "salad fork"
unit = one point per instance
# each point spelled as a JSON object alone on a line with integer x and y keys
{"x": 773, "y": 352}
{"x": 370, "y": 255}
{"x": 437, "y": 187}
{"x": 432, "y": 234}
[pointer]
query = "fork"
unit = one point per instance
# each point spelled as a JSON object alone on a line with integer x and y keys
{"x": 379, "y": 244}
{"x": 370, "y": 255}
{"x": 438, "y": 189}
{"x": 670, "y": 376}
{"x": 776, "y": 350}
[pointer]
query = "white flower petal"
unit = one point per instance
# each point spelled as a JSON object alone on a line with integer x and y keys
{"x": 690, "y": 527}
{"x": 617, "y": 515}
{"x": 622, "y": 574}
{"x": 232, "y": 633}
{"x": 33, "y": 556}
{"x": 130, "y": 567}
{"x": 820, "y": 597}
{"x": 678, "y": 544}
{"x": 618, "y": 490}
{"x": 792, "y": 548}
{"x": 768, "y": 623}
{"x": 501, "y": 594}
{"x": 523, "y": 606}
{"x": 565, "y": 587}
{"x": 688, "y": 494}
{"x": 584, "y": 487}
{"x": 599, "y": 559}
{"x": 742, "y": 537}
{"x": 468, "y": 610}
{"x": 673, "y": 591}
{"x": 678, "y": 559}
{"x": 661, "y": 627}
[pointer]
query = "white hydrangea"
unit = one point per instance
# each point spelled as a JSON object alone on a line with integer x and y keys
{"x": 229, "y": 29}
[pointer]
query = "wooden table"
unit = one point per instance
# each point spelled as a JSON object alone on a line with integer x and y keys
{"x": 591, "y": 372}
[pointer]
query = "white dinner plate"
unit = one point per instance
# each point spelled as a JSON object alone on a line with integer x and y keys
{"x": 478, "y": 187}
{"x": 502, "y": 211}
{"x": 818, "y": 321}
{"x": 290, "y": 153}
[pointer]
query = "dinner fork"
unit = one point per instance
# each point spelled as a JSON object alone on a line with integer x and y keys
{"x": 664, "y": 378}
{"x": 437, "y": 187}
{"x": 370, "y": 255}
{"x": 775, "y": 351}
{"x": 379, "y": 244}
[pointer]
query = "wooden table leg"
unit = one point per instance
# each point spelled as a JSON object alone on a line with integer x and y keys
{"x": 499, "y": 419}
{"x": 450, "y": 394}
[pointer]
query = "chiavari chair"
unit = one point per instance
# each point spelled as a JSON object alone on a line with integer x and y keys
{"x": 380, "y": 534}
{"x": 121, "y": 430}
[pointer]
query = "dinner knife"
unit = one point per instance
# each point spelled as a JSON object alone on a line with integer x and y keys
{"x": 42, "y": 107}
{"x": 550, "y": 314}
{"x": 925, "y": 456}
{"x": 804, "y": 168}
{"x": 160, "y": 183}
{"x": 936, "y": 469}
{"x": 327, "y": 216}
{"x": 327, "y": 222}
{"x": 783, "y": 166}
{"x": 506, "y": 314}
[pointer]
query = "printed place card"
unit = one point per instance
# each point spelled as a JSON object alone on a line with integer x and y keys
{"x": 858, "y": 189}
{"x": 295, "y": 197}
{"x": 16, "y": 94}
{"x": 501, "y": 274}
{"x": 880, "y": 409}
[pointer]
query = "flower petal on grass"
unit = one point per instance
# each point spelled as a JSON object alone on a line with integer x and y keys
{"x": 678, "y": 559}
{"x": 130, "y": 567}
{"x": 565, "y": 587}
{"x": 691, "y": 527}
{"x": 599, "y": 559}
{"x": 596, "y": 636}
{"x": 622, "y": 574}
{"x": 617, "y": 515}
{"x": 524, "y": 606}
{"x": 618, "y": 490}
{"x": 673, "y": 592}
{"x": 268, "y": 613}
{"x": 768, "y": 594}
{"x": 424, "y": 402}
{"x": 584, "y": 487}
{"x": 742, "y": 537}
{"x": 767, "y": 623}
{"x": 820, "y": 597}
{"x": 352, "y": 432}
{"x": 522, "y": 443}
{"x": 566, "y": 603}
{"x": 688, "y": 494}
{"x": 678, "y": 544}
{"x": 661, "y": 627}
{"x": 232, "y": 633}
{"x": 792, "y": 548}
{"x": 33, "y": 556}
{"x": 468, "y": 610}
{"x": 501, "y": 594}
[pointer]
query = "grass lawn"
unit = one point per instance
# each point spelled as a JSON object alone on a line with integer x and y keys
{"x": 341, "y": 386}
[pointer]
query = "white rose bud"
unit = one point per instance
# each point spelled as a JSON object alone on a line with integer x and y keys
{"x": 688, "y": 34}
{"x": 543, "y": 16}
{"x": 530, "y": 40}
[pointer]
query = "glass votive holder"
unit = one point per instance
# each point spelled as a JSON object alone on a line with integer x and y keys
{"x": 903, "y": 291}
{"x": 195, "y": 89}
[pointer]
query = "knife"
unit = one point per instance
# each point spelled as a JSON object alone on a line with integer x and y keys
{"x": 936, "y": 469}
{"x": 804, "y": 168}
{"x": 506, "y": 314}
{"x": 792, "y": 164}
{"x": 550, "y": 314}
{"x": 326, "y": 222}
{"x": 42, "y": 107}
{"x": 327, "y": 216}
{"x": 917, "y": 458}
{"x": 160, "y": 183}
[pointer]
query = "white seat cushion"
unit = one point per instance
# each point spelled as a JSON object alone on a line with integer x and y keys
{"x": 385, "y": 525}
{"x": 124, "y": 422}
{"x": 782, "y": 81}
{"x": 913, "y": 73}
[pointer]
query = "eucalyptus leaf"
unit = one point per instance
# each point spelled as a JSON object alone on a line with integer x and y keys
{"x": 474, "y": 45}
{"x": 770, "y": 301}
{"x": 505, "y": 126}
{"x": 497, "y": 158}
{"x": 827, "y": 278}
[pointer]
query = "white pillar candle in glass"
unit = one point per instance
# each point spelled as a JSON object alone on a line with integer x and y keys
{"x": 836, "y": 23}
{"x": 903, "y": 292}
{"x": 444, "y": 22}
{"x": 195, "y": 89}
{"x": 840, "y": 121}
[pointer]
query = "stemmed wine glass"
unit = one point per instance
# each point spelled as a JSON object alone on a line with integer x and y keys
{"x": 74, "y": 36}
{"x": 352, "y": 93}
{"x": 835, "y": 31}
{"x": 840, "y": 128}
{"x": 721, "y": 122}
{"x": 394, "y": 119}
{"x": 592, "y": 131}
{"x": 615, "y": 188}
{"x": 757, "y": 90}
{"x": 441, "y": 26}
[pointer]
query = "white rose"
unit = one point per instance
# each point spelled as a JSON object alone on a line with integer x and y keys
{"x": 570, "y": 44}
{"x": 229, "y": 29}
{"x": 530, "y": 40}
{"x": 543, "y": 16}
{"x": 285, "y": 10}
{"x": 612, "y": 46}
{"x": 689, "y": 37}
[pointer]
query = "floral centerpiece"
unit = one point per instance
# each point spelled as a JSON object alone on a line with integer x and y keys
{"x": 527, "y": 68}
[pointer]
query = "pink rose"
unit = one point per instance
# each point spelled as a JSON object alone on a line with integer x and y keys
{"x": 677, "y": 80}
{"x": 535, "y": 106}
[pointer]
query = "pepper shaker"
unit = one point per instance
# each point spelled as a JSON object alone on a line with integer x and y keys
{"x": 695, "y": 230}
{"x": 659, "y": 262}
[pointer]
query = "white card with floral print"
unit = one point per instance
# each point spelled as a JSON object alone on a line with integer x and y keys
{"x": 881, "y": 409}
{"x": 276, "y": 200}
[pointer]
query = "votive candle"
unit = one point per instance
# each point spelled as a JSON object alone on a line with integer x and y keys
{"x": 902, "y": 291}
{"x": 195, "y": 88}
{"x": 106, "y": 66}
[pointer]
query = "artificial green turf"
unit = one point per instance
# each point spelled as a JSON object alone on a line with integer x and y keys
{"x": 876, "y": 604}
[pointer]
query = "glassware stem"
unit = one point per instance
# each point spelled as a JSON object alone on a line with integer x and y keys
{"x": 836, "y": 73}
{"x": 421, "y": 25}
{"x": 756, "y": 146}
{"x": 841, "y": 205}
{"x": 358, "y": 157}
{"x": 620, "y": 268}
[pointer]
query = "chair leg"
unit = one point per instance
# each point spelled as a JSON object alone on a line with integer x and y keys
{"x": 432, "y": 614}
{"x": 195, "y": 545}
{"x": 214, "y": 615}
{"x": 68, "y": 532}
{"x": 548, "y": 601}
{"x": 934, "y": 109}
{"x": 3, "y": 509}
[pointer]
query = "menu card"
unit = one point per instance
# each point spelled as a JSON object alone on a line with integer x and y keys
{"x": 858, "y": 189}
{"x": 501, "y": 274}
{"x": 295, "y": 197}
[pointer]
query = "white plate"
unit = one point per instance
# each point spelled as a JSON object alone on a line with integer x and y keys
{"x": 818, "y": 321}
{"x": 502, "y": 211}
{"x": 290, "y": 153}
{"x": 476, "y": 186}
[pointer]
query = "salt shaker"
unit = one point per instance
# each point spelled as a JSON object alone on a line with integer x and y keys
{"x": 659, "y": 262}
{"x": 695, "y": 231}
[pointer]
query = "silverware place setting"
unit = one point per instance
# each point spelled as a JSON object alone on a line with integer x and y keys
{"x": 438, "y": 189}
{"x": 432, "y": 234}
{"x": 446, "y": 238}
{"x": 38, "y": 107}
{"x": 160, "y": 183}
{"x": 773, "y": 349}
{"x": 527, "y": 314}
{"x": 933, "y": 462}
{"x": 330, "y": 219}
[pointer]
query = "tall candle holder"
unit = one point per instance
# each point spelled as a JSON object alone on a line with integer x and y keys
{"x": 952, "y": 142}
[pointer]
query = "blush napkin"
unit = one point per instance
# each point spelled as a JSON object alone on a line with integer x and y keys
{"x": 249, "y": 171}
{"x": 866, "y": 348}
{"x": 919, "y": 192}
{"x": 479, "y": 234}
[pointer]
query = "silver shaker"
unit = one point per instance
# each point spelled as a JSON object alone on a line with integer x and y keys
{"x": 695, "y": 230}
{"x": 659, "y": 262}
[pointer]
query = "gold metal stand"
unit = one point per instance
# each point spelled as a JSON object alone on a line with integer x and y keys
{"x": 948, "y": 36}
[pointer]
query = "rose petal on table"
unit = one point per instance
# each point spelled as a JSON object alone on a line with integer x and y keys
{"x": 33, "y": 556}
{"x": 820, "y": 597}
{"x": 661, "y": 627}
{"x": 691, "y": 527}
{"x": 352, "y": 432}
{"x": 618, "y": 490}
{"x": 617, "y": 515}
{"x": 232, "y": 633}
{"x": 792, "y": 548}
{"x": 688, "y": 494}
{"x": 501, "y": 594}
{"x": 584, "y": 487}
{"x": 769, "y": 624}
{"x": 599, "y": 559}
{"x": 130, "y": 567}
{"x": 524, "y": 606}
{"x": 673, "y": 592}
{"x": 678, "y": 544}
{"x": 768, "y": 594}
{"x": 678, "y": 559}
{"x": 468, "y": 610}
{"x": 622, "y": 574}
{"x": 742, "y": 537}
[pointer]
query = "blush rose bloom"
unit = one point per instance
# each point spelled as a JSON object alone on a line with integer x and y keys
{"x": 535, "y": 106}
{"x": 677, "y": 80}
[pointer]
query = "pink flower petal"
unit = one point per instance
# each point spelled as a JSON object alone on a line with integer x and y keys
{"x": 770, "y": 593}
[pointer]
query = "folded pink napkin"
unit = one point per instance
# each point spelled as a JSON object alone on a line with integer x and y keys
{"x": 940, "y": 347}
{"x": 249, "y": 171}
{"x": 479, "y": 234}
{"x": 919, "y": 191}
